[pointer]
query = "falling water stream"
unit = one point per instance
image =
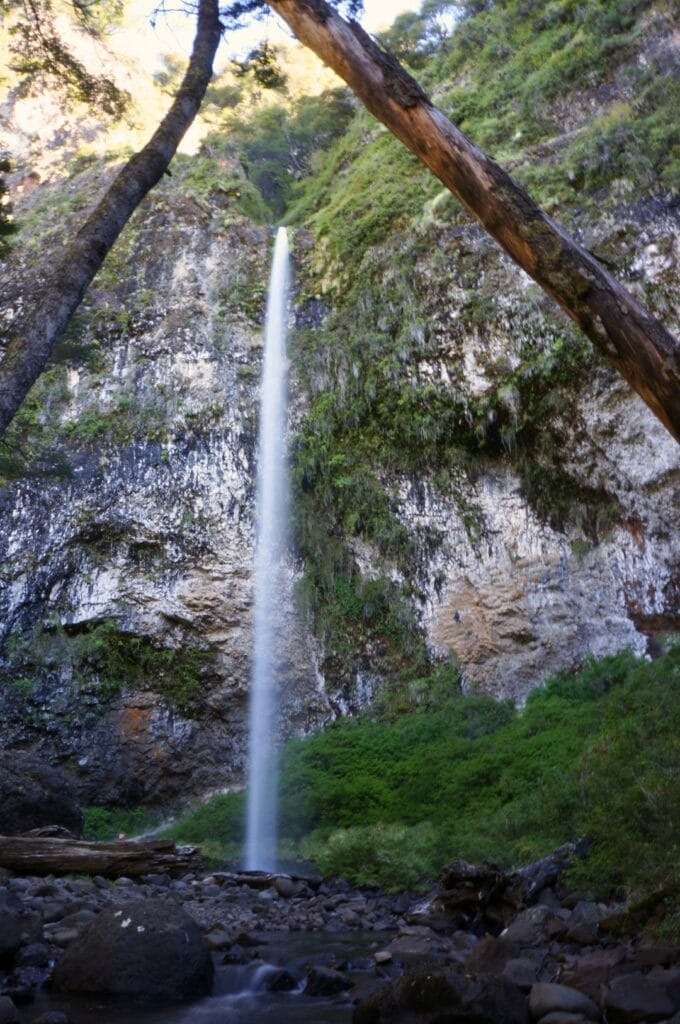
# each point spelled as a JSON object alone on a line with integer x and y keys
{"x": 272, "y": 507}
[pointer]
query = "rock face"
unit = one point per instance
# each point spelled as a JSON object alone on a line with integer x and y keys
{"x": 32, "y": 795}
{"x": 127, "y": 544}
{"x": 149, "y": 949}
{"x": 149, "y": 536}
{"x": 528, "y": 600}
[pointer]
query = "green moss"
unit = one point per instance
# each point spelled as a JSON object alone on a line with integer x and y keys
{"x": 102, "y": 657}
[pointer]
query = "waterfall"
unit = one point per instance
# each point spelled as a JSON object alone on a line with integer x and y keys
{"x": 272, "y": 514}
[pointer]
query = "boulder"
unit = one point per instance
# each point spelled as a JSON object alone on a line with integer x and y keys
{"x": 546, "y": 998}
{"x": 561, "y": 1017}
{"x": 10, "y": 926}
{"x": 286, "y": 887}
{"x": 32, "y": 794}
{"x": 280, "y": 980}
{"x": 8, "y": 1011}
{"x": 590, "y": 972}
{"x": 324, "y": 981}
{"x": 147, "y": 949}
{"x": 583, "y": 924}
{"x": 633, "y": 997}
{"x": 430, "y": 996}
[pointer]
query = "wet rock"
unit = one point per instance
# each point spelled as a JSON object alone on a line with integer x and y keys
{"x": 285, "y": 886}
{"x": 150, "y": 949}
{"x": 64, "y": 936}
{"x": 325, "y": 981}
{"x": 247, "y": 941}
{"x": 53, "y": 911}
{"x": 633, "y": 997}
{"x": 435, "y": 996}
{"x": 521, "y": 972}
{"x": 590, "y": 973}
{"x": 546, "y": 997}
{"x": 533, "y": 926}
{"x": 36, "y": 954}
{"x": 34, "y": 794}
{"x": 217, "y": 938}
{"x": 583, "y": 924}
{"x": 561, "y": 1017}
{"x": 281, "y": 981}
{"x": 78, "y": 920}
{"x": 235, "y": 957}
{"x": 542, "y": 874}
{"x": 8, "y": 1011}
{"x": 10, "y": 926}
{"x": 654, "y": 956}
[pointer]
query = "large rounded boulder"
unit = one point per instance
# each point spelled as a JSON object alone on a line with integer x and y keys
{"x": 147, "y": 949}
{"x": 32, "y": 794}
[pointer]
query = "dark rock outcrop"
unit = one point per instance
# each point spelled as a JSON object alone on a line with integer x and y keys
{"x": 444, "y": 996}
{"x": 151, "y": 950}
{"x": 33, "y": 794}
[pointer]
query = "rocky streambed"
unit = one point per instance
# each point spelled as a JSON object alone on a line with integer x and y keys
{"x": 484, "y": 946}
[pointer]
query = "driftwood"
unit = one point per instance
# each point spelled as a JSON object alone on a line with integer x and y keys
{"x": 50, "y": 855}
{"x": 263, "y": 879}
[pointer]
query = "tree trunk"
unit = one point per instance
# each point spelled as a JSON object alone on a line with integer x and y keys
{"x": 46, "y": 855}
{"x": 639, "y": 346}
{"x": 28, "y": 351}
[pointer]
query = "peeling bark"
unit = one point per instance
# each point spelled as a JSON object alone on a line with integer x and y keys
{"x": 639, "y": 346}
{"x": 29, "y": 349}
{"x": 48, "y": 855}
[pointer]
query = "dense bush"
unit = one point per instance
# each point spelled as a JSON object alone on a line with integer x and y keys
{"x": 593, "y": 754}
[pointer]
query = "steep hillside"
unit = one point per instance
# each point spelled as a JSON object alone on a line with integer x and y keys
{"x": 475, "y": 493}
{"x": 463, "y": 440}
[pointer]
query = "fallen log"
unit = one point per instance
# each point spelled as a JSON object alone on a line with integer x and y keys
{"x": 51, "y": 855}
{"x": 263, "y": 879}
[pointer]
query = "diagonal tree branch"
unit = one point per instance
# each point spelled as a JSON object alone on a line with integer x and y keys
{"x": 29, "y": 349}
{"x": 639, "y": 346}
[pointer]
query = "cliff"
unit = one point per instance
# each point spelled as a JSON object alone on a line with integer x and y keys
{"x": 474, "y": 491}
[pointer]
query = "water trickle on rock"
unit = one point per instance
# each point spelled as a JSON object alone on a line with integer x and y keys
{"x": 272, "y": 507}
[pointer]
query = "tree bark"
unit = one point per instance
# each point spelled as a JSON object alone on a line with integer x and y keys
{"x": 639, "y": 346}
{"x": 29, "y": 349}
{"x": 46, "y": 855}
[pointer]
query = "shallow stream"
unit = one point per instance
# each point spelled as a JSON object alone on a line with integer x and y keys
{"x": 240, "y": 994}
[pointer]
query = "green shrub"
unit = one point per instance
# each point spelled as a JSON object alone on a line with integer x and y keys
{"x": 105, "y": 823}
{"x": 394, "y": 856}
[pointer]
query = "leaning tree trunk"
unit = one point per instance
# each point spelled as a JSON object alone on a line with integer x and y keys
{"x": 30, "y": 347}
{"x": 639, "y": 346}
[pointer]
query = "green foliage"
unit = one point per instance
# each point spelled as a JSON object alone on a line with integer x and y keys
{"x": 593, "y": 754}
{"x": 7, "y": 225}
{"x": 209, "y": 174}
{"x": 395, "y": 856}
{"x": 276, "y": 144}
{"x": 367, "y": 186}
{"x": 102, "y": 656}
{"x": 30, "y": 446}
{"x": 217, "y": 824}
{"x": 262, "y": 64}
{"x": 105, "y": 823}
{"x": 40, "y": 55}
